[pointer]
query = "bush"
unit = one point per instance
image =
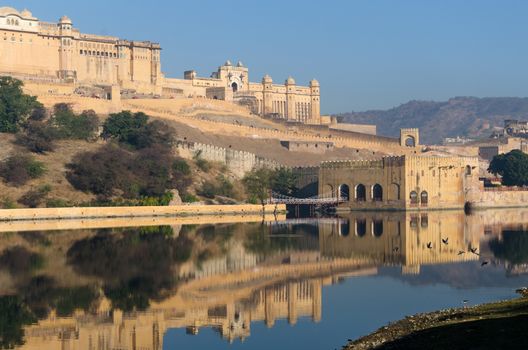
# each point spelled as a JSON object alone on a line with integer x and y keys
{"x": 19, "y": 169}
{"x": 7, "y": 203}
{"x": 68, "y": 125}
{"x": 135, "y": 130}
{"x": 203, "y": 165}
{"x": 33, "y": 198}
{"x": 207, "y": 190}
{"x": 38, "y": 137}
{"x": 58, "y": 203}
{"x": 134, "y": 175}
{"x": 222, "y": 187}
{"x": 15, "y": 106}
{"x": 188, "y": 198}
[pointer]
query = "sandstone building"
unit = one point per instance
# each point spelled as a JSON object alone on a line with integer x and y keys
{"x": 409, "y": 182}
{"x": 59, "y": 53}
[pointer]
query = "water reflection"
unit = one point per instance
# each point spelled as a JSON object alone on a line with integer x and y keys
{"x": 123, "y": 288}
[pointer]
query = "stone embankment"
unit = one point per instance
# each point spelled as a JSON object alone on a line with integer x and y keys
{"x": 136, "y": 212}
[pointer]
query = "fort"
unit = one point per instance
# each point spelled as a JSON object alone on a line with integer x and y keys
{"x": 59, "y": 53}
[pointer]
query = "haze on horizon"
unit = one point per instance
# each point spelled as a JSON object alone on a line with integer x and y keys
{"x": 370, "y": 54}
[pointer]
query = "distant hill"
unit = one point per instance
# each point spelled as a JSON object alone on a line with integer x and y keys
{"x": 459, "y": 116}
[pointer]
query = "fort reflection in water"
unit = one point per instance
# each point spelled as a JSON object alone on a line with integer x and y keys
{"x": 238, "y": 274}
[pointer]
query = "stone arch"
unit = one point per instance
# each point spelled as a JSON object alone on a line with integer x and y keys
{"x": 377, "y": 193}
{"x": 344, "y": 228}
{"x": 234, "y": 86}
{"x": 361, "y": 227}
{"x": 413, "y": 196}
{"x": 467, "y": 170}
{"x": 344, "y": 192}
{"x": 361, "y": 193}
{"x": 410, "y": 141}
{"x": 377, "y": 227}
{"x": 424, "y": 198}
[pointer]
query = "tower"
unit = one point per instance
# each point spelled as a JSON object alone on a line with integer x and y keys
{"x": 315, "y": 97}
{"x": 267, "y": 95}
{"x": 409, "y": 137}
{"x": 66, "y": 71}
{"x": 290, "y": 99}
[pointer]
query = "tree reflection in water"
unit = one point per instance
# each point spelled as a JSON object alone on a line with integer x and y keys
{"x": 135, "y": 265}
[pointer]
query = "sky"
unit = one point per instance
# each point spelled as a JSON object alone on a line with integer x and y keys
{"x": 367, "y": 54}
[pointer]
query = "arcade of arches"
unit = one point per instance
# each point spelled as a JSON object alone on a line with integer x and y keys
{"x": 406, "y": 182}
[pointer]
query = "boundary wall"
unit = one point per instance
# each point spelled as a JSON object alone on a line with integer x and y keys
{"x": 132, "y": 212}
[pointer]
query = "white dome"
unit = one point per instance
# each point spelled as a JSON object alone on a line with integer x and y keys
{"x": 8, "y": 11}
{"x": 65, "y": 19}
{"x": 240, "y": 64}
{"x": 228, "y": 63}
{"x": 290, "y": 81}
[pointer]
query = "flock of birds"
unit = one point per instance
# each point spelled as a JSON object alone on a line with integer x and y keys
{"x": 446, "y": 242}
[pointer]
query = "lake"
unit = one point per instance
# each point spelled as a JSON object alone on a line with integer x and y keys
{"x": 270, "y": 284}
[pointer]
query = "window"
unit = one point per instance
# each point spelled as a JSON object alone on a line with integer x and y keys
{"x": 377, "y": 193}
{"x": 361, "y": 227}
{"x": 414, "y": 197}
{"x": 377, "y": 228}
{"x": 361, "y": 193}
{"x": 468, "y": 170}
{"x": 424, "y": 198}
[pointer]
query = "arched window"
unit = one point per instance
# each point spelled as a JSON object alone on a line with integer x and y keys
{"x": 234, "y": 86}
{"x": 344, "y": 228}
{"x": 395, "y": 189}
{"x": 377, "y": 193}
{"x": 361, "y": 193}
{"x": 468, "y": 170}
{"x": 377, "y": 228}
{"x": 344, "y": 192}
{"x": 414, "y": 197}
{"x": 410, "y": 141}
{"x": 424, "y": 198}
{"x": 361, "y": 227}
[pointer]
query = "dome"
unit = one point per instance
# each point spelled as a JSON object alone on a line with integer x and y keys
{"x": 65, "y": 20}
{"x": 26, "y": 14}
{"x": 228, "y": 63}
{"x": 240, "y": 64}
{"x": 4, "y": 11}
{"x": 267, "y": 79}
{"x": 290, "y": 81}
{"x": 314, "y": 83}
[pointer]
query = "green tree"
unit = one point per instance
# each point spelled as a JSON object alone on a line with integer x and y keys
{"x": 15, "y": 106}
{"x": 258, "y": 184}
{"x": 512, "y": 167}
{"x": 284, "y": 182}
{"x": 68, "y": 125}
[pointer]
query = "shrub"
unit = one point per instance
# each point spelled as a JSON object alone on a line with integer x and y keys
{"x": 33, "y": 198}
{"x": 68, "y": 125}
{"x": 19, "y": 169}
{"x": 207, "y": 190}
{"x": 203, "y": 165}
{"x": 15, "y": 106}
{"x": 38, "y": 137}
{"x": 113, "y": 171}
{"x": 188, "y": 198}
{"x": 7, "y": 203}
{"x": 135, "y": 130}
{"x": 58, "y": 203}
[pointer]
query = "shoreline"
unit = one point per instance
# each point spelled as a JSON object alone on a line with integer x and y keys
{"x": 77, "y": 213}
{"x": 496, "y": 325}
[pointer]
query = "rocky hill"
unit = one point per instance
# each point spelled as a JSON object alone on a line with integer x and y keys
{"x": 459, "y": 116}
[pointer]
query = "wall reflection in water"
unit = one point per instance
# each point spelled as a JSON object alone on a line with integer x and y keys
{"x": 124, "y": 288}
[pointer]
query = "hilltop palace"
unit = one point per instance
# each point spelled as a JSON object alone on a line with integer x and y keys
{"x": 57, "y": 52}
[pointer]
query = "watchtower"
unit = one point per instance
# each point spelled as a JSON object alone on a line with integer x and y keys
{"x": 409, "y": 137}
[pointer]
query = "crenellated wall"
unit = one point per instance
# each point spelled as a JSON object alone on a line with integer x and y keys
{"x": 238, "y": 162}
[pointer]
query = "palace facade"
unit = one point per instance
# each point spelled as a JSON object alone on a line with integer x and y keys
{"x": 31, "y": 49}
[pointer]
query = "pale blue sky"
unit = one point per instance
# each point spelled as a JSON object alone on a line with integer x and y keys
{"x": 366, "y": 54}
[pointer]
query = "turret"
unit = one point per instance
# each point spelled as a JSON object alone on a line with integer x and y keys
{"x": 290, "y": 98}
{"x": 66, "y": 71}
{"x": 267, "y": 96}
{"x": 315, "y": 95}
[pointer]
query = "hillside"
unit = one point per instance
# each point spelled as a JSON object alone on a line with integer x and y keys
{"x": 460, "y": 116}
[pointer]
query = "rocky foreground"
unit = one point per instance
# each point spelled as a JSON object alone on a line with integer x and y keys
{"x": 500, "y": 325}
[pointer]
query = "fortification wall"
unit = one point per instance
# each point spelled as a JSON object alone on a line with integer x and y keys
{"x": 131, "y": 212}
{"x": 238, "y": 162}
{"x": 497, "y": 198}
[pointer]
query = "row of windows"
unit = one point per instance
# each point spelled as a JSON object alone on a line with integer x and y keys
{"x": 98, "y": 53}
{"x": 13, "y": 22}
{"x": 360, "y": 193}
{"x": 360, "y": 228}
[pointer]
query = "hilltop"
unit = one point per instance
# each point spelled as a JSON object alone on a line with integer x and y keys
{"x": 459, "y": 116}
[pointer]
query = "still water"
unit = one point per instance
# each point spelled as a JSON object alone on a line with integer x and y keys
{"x": 273, "y": 284}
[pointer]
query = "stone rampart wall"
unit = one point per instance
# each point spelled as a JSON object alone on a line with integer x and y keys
{"x": 501, "y": 199}
{"x": 131, "y": 212}
{"x": 238, "y": 162}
